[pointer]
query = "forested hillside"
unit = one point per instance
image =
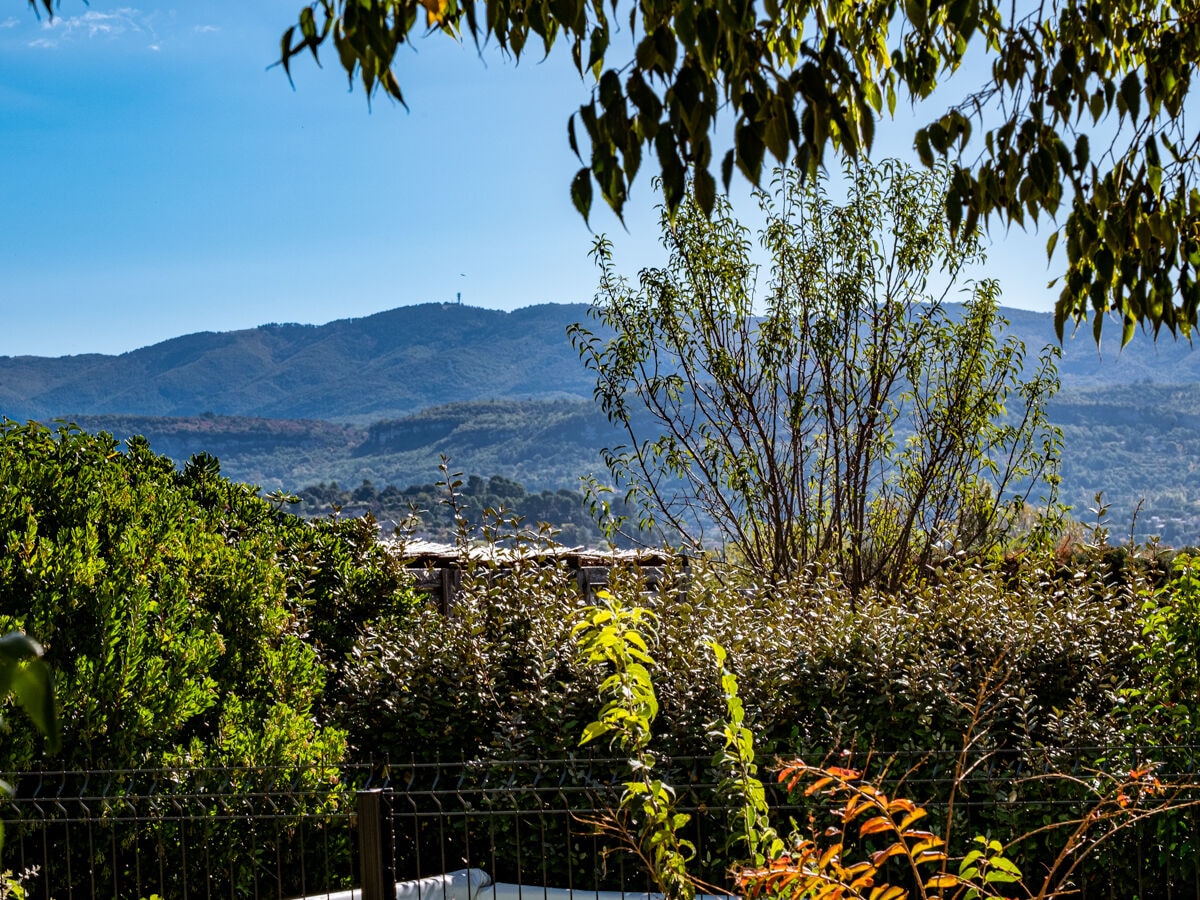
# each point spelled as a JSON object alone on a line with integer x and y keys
{"x": 1138, "y": 444}
{"x": 352, "y": 370}
{"x": 1135, "y": 443}
{"x": 274, "y": 403}
{"x": 544, "y": 444}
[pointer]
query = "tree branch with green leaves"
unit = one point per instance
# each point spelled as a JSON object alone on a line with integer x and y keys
{"x": 614, "y": 636}
{"x": 1082, "y": 118}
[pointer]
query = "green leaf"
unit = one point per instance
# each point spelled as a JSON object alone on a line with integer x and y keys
{"x": 664, "y": 43}
{"x": 917, "y": 12}
{"x": 581, "y": 192}
{"x": 924, "y": 151}
{"x": 674, "y": 176}
{"x": 727, "y": 169}
{"x": 1051, "y": 243}
{"x": 776, "y": 132}
{"x": 646, "y": 53}
{"x": 594, "y": 730}
{"x": 749, "y": 151}
{"x": 1004, "y": 864}
{"x": 873, "y": 96}
{"x": 574, "y": 145}
{"x": 1081, "y": 152}
{"x": 308, "y": 27}
{"x": 1155, "y": 175}
{"x": 33, "y": 687}
{"x": 1131, "y": 93}
{"x": 997, "y": 877}
{"x": 705, "y": 188}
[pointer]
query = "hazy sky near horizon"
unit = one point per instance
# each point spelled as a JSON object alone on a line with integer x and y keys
{"x": 163, "y": 179}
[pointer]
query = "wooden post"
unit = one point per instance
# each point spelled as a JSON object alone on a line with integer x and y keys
{"x": 375, "y": 846}
{"x": 592, "y": 579}
{"x": 451, "y": 584}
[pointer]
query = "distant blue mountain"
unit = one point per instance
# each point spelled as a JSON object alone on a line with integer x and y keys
{"x": 1084, "y": 364}
{"x": 396, "y": 363}
{"x": 387, "y": 365}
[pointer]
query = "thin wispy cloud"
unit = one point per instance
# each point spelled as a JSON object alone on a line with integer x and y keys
{"x": 94, "y": 24}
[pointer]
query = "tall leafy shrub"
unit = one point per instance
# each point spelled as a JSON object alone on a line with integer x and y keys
{"x": 161, "y": 601}
{"x": 835, "y": 411}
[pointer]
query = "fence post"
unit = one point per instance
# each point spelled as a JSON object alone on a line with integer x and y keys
{"x": 376, "y": 855}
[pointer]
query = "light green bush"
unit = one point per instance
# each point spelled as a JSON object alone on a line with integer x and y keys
{"x": 187, "y": 621}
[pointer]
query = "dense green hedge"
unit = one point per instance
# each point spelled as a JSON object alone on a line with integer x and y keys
{"x": 1042, "y": 660}
{"x": 899, "y": 671}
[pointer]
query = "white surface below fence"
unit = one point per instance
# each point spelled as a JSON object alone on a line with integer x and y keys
{"x": 476, "y": 884}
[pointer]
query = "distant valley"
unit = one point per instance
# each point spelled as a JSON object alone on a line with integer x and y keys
{"x": 381, "y": 398}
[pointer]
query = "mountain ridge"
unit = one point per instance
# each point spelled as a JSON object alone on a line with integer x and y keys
{"x": 1133, "y": 443}
{"x": 382, "y": 398}
{"x": 387, "y": 365}
{"x": 397, "y": 362}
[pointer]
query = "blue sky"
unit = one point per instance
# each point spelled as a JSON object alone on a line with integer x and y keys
{"x": 161, "y": 179}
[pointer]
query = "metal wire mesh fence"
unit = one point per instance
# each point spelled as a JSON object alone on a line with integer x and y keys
{"x": 180, "y": 833}
{"x": 540, "y": 822}
{"x": 258, "y": 833}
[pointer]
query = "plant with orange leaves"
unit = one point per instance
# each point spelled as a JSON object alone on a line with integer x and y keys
{"x": 880, "y": 849}
{"x": 821, "y": 867}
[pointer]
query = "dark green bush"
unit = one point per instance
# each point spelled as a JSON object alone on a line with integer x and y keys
{"x": 1031, "y": 659}
{"x": 1053, "y": 645}
{"x": 161, "y": 600}
{"x": 495, "y": 677}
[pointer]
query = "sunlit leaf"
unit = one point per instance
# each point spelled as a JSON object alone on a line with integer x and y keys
{"x": 875, "y": 826}
{"x": 943, "y": 881}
